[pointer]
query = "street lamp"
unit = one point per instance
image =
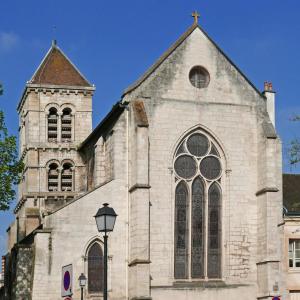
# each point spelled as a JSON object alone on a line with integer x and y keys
{"x": 105, "y": 220}
{"x": 82, "y": 283}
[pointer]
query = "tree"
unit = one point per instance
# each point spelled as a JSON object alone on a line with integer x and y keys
{"x": 294, "y": 147}
{"x": 10, "y": 166}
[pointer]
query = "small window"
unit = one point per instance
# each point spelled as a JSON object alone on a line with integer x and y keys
{"x": 52, "y": 125}
{"x": 95, "y": 269}
{"x": 53, "y": 178}
{"x": 199, "y": 77}
{"x": 294, "y": 253}
{"x": 67, "y": 178}
{"x": 66, "y": 125}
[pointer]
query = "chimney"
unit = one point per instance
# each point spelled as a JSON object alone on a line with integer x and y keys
{"x": 270, "y": 95}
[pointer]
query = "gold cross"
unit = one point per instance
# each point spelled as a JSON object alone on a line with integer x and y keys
{"x": 195, "y": 15}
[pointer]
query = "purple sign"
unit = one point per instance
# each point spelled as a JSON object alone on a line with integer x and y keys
{"x": 67, "y": 280}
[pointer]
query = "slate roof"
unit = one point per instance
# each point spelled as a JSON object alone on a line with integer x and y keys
{"x": 291, "y": 192}
{"x": 57, "y": 69}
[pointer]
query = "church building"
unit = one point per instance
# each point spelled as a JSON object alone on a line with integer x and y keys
{"x": 189, "y": 159}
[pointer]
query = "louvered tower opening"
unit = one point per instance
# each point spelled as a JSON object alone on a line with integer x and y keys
{"x": 66, "y": 125}
{"x": 53, "y": 178}
{"x": 52, "y": 125}
{"x": 67, "y": 178}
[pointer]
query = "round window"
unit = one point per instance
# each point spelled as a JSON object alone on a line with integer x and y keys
{"x": 210, "y": 167}
{"x": 185, "y": 166}
{"x": 199, "y": 77}
{"x": 197, "y": 144}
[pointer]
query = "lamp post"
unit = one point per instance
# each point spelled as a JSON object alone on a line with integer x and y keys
{"x": 82, "y": 283}
{"x": 105, "y": 220}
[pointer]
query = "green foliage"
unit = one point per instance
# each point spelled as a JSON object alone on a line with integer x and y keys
{"x": 294, "y": 147}
{"x": 294, "y": 151}
{"x": 10, "y": 166}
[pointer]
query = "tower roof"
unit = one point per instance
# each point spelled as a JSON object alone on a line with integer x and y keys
{"x": 57, "y": 69}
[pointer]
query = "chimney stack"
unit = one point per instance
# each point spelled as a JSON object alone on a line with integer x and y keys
{"x": 270, "y": 95}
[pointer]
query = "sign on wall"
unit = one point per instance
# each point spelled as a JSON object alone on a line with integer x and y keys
{"x": 67, "y": 280}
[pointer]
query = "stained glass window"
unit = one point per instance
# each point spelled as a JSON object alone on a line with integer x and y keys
{"x": 199, "y": 77}
{"x": 181, "y": 231}
{"x": 185, "y": 166}
{"x": 197, "y": 144}
{"x": 198, "y": 235}
{"x": 198, "y": 195}
{"x": 210, "y": 167}
{"x": 214, "y": 232}
{"x": 95, "y": 269}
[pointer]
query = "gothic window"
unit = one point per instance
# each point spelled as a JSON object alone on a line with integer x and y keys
{"x": 67, "y": 177}
{"x": 53, "y": 174}
{"x": 66, "y": 125}
{"x": 52, "y": 124}
{"x": 199, "y": 77}
{"x": 181, "y": 231}
{"x": 198, "y": 196}
{"x": 95, "y": 269}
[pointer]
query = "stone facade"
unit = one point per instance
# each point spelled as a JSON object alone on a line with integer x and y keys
{"x": 128, "y": 161}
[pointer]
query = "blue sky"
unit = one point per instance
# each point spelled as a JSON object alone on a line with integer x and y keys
{"x": 113, "y": 42}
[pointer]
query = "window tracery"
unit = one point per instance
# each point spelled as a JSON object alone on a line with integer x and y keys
{"x": 198, "y": 172}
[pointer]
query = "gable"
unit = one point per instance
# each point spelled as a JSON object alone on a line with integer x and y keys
{"x": 57, "y": 69}
{"x": 169, "y": 76}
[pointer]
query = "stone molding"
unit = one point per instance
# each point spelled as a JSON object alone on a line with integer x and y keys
{"x": 267, "y": 190}
{"x": 138, "y": 186}
{"x": 139, "y": 262}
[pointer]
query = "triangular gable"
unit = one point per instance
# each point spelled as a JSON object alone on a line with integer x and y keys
{"x": 57, "y": 69}
{"x": 172, "y": 49}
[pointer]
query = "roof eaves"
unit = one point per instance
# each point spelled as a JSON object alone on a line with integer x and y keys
{"x": 117, "y": 108}
{"x": 52, "y": 86}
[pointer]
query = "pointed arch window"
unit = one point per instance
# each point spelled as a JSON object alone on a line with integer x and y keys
{"x": 181, "y": 231}
{"x": 66, "y": 125}
{"x": 95, "y": 268}
{"x": 52, "y": 124}
{"x": 198, "y": 196}
{"x": 67, "y": 177}
{"x": 53, "y": 175}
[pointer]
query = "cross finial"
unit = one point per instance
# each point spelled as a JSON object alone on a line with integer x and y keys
{"x": 195, "y": 15}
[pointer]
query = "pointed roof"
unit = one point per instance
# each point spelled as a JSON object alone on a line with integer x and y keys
{"x": 57, "y": 69}
{"x": 166, "y": 54}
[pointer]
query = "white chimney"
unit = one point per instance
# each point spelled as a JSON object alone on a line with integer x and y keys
{"x": 270, "y": 95}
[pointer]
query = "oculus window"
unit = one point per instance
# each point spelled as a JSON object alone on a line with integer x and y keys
{"x": 199, "y": 77}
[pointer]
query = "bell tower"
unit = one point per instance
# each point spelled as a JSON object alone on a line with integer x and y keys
{"x": 55, "y": 114}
